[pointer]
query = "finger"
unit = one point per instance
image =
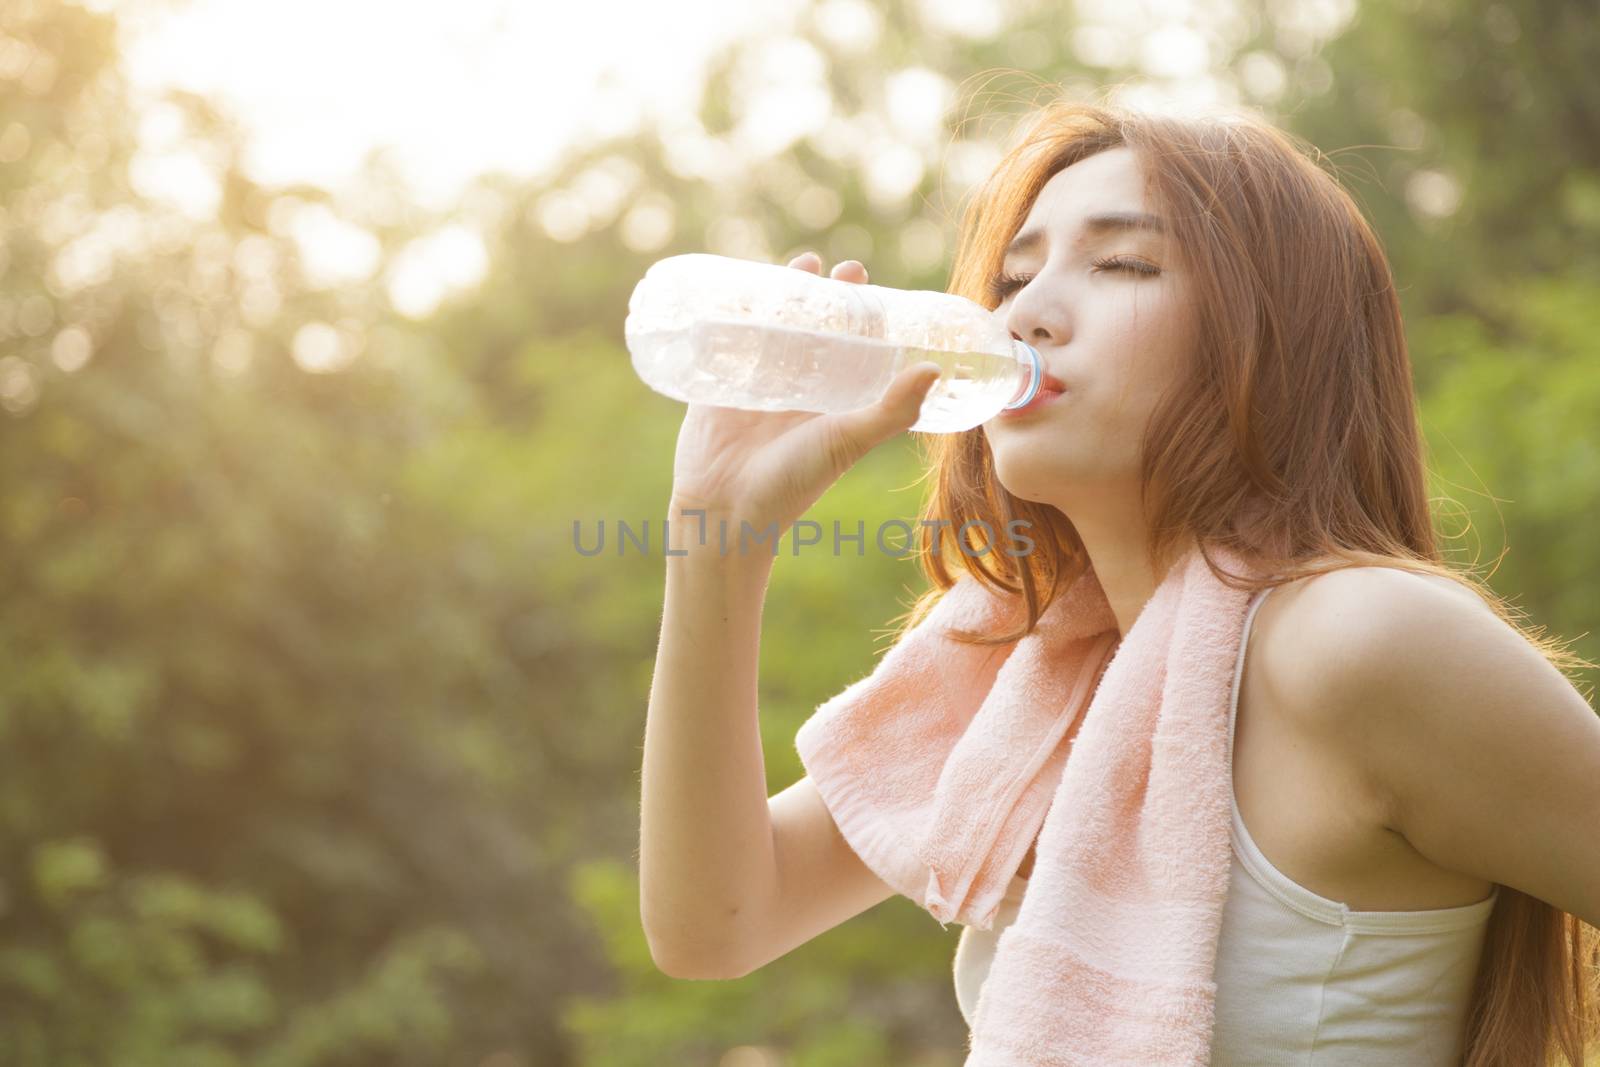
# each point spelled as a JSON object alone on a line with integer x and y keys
{"x": 897, "y": 410}
{"x": 849, "y": 270}
{"x": 807, "y": 261}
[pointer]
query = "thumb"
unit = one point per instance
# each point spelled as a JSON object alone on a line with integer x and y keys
{"x": 897, "y": 410}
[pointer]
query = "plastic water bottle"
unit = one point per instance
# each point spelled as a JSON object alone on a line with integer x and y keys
{"x": 709, "y": 329}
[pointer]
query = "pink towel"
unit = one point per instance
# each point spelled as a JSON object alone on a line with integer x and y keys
{"x": 941, "y": 766}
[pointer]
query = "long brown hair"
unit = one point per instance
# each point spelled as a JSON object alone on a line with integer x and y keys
{"x": 1293, "y": 440}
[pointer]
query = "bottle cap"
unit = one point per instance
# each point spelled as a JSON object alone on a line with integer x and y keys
{"x": 1029, "y": 357}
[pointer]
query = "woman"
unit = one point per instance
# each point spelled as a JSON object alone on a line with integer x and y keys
{"x": 1227, "y": 366}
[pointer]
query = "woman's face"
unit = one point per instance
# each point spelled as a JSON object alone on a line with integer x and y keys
{"x": 1103, "y": 302}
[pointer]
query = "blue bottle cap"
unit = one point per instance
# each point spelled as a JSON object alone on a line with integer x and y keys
{"x": 1035, "y": 374}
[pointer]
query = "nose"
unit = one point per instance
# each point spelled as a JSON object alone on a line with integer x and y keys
{"x": 1038, "y": 321}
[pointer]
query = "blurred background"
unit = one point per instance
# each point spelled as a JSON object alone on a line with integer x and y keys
{"x": 319, "y": 739}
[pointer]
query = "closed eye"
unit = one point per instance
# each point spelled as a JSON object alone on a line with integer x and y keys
{"x": 1003, "y": 285}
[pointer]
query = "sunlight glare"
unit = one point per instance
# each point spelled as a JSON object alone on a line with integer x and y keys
{"x": 431, "y": 268}
{"x": 451, "y": 91}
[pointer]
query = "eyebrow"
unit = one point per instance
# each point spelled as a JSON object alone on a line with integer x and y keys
{"x": 1093, "y": 226}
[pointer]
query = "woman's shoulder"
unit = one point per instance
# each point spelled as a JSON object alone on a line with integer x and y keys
{"x": 1320, "y": 646}
{"x": 1365, "y": 595}
{"x": 1315, "y": 631}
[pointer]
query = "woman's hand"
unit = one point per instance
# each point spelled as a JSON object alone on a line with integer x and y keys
{"x": 771, "y": 466}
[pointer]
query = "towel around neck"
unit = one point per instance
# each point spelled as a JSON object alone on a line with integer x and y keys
{"x": 942, "y": 765}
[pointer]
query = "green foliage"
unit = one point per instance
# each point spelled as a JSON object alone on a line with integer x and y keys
{"x": 850, "y": 997}
{"x": 1514, "y": 417}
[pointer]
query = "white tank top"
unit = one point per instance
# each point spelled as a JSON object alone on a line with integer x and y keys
{"x": 1303, "y": 980}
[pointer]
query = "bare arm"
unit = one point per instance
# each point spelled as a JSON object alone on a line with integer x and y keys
{"x": 725, "y": 883}
{"x": 1487, "y": 757}
{"x": 822, "y": 882}
{"x": 730, "y": 880}
{"x": 706, "y": 852}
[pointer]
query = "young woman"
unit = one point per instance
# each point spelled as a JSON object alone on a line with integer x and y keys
{"x": 1416, "y": 782}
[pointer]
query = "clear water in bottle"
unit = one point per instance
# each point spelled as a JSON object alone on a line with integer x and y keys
{"x": 711, "y": 330}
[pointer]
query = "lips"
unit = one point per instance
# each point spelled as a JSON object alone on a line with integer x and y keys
{"x": 1049, "y": 391}
{"x": 1049, "y": 383}
{"x": 1050, "y": 387}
